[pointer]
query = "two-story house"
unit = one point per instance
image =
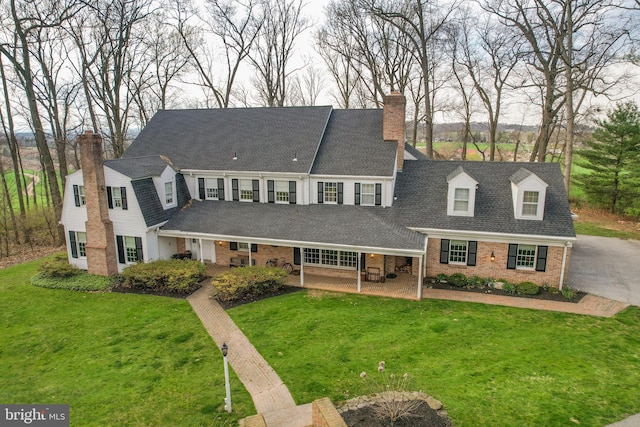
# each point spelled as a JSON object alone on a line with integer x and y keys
{"x": 330, "y": 191}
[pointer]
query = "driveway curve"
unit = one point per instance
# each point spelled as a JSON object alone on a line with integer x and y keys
{"x": 606, "y": 266}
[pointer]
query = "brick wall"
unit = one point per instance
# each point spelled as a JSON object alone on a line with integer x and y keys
{"x": 324, "y": 414}
{"x": 393, "y": 125}
{"x": 497, "y": 269}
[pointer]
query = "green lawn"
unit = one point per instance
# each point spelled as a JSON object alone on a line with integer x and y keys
{"x": 593, "y": 229}
{"x": 116, "y": 359}
{"x": 490, "y": 365}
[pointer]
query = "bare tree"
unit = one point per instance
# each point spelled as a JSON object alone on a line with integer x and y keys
{"x": 307, "y": 87}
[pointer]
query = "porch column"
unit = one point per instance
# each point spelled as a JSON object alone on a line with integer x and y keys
{"x": 249, "y": 244}
{"x": 358, "y": 270}
{"x": 420, "y": 277}
{"x": 564, "y": 261}
{"x": 200, "y": 250}
{"x": 302, "y": 267}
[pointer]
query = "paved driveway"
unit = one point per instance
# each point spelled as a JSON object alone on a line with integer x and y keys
{"x": 607, "y": 267}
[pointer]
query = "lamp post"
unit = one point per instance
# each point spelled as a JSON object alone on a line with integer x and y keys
{"x": 227, "y": 400}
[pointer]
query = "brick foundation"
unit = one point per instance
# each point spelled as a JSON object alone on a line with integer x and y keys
{"x": 325, "y": 414}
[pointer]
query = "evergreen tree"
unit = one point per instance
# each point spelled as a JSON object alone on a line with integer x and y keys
{"x": 612, "y": 161}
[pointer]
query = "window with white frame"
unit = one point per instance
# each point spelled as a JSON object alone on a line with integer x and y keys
{"x": 168, "y": 193}
{"x": 526, "y": 257}
{"x": 131, "y": 252}
{"x": 246, "y": 189}
{"x": 243, "y": 246}
{"x": 116, "y": 194}
{"x": 81, "y": 240}
{"x": 461, "y": 200}
{"x": 83, "y": 200}
{"x": 211, "y": 189}
{"x": 282, "y": 191}
{"x": 458, "y": 252}
{"x": 349, "y": 259}
{"x": 331, "y": 192}
{"x": 331, "y": 258}
{"x": 368, "y": 194}
{"x": 530, "y": 203}
{"x": 312, "y": 256}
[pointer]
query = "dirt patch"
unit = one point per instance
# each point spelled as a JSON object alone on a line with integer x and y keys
{"x": 230, "y": 304}
{"x": 423, "y": 416}
{"x": 607, "y": 219}
{"x": 28, "y": 253}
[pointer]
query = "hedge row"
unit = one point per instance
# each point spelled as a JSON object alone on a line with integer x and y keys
{"x": 248, "y": 282}
{"x": 172, "y": 276}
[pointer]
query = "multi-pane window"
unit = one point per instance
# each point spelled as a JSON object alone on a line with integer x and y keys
{"x": 211, "y": 189}
{"x": 81, "y": 241}
{"x": 461, "y": 200}
{"x": 331, "y": 258}
{"x": 331, "y": 192}
{"x": 526, "y": 257}
{"x": 312, "y": 256}
{"x": 349, "y": 259}
{"x": 83, "y": 200}
{"x": 131, "y": 252}
{"x": 458, "y": 252}
{"x": 246, "y": 189}
{"x": 282, "y": 191}
{"x": 168, "y": 192}
{"x": 368, "y": 194}
{"x": 243, "y": 246}
{"x": 116, "y": 194}
{"x": 530, "y": 203}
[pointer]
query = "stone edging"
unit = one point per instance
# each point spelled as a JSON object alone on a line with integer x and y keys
{"x": 364, "y": 401}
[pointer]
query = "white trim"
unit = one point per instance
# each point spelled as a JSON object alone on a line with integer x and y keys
{"x": 355, "y": 177}
{"x": 204, "y": 173}
{"x": 420, "y": 278}
{"x": 496, "y": 237}
{"x": 564, "y": 261}
{"x": 358, "y": 268}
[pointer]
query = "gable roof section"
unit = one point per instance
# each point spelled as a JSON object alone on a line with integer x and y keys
{"x": 149, "y": 201}
{"x": 353, "y": 145}
{"x": 417, "y": 154}
{"x": 298, "y": 225}
{"x": 263, "y": 139}
{"x": 421, "y": 191}
{"x": 138, "y": 167}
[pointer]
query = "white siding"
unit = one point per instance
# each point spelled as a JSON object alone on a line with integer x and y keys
{"x": 167, "y": 246}
{"x": 168, "y": 175}
{"x": 349, "y": 188}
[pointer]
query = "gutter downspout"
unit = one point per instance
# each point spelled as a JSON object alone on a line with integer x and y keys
{"x": 564, "y": 261}
{"x": 420, "y": 278}
{"x": 302, "y": 267}
{"x": 358, "y": 271}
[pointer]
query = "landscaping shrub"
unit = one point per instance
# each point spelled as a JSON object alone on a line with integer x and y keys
{"x": 508, "y": 287}
{"x": 248, "y": 282}
{"x": 568, "y": 292}
{"x": 442, "y": 278}
{"x": 57, "y": 266}
{"x": 457, "y": 279}
{"x": 528, "y": 288}
{"x": 475, "y": 282}
{"x": 81, "y": 281}
{"x": 172, "y": 276}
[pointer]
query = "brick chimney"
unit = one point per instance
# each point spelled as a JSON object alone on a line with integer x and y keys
{"x": 393, "y": 123}
{"x": 101, "y": 246}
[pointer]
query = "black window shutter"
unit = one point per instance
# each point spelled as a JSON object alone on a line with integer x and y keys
{"x": 444, "y": 251}
{"x": 220, "y": 188}
{"x": 340, "y": 193}
{"x": 320, "y": 192}
{"x": 363, "y": 259}
{"x": 76, "y": 196}
{"x": 541, "y": 258}
{"x": 472, "y": 249}
{"x": 292, "y": 193}
{"x": 378, "y": 194}
{"x": 109, "y": 198}
{"x": 513, "y": 256}
{"x": 254, "y": 247}
{"x": 256, "y": 190}
{"x": 120, "y": 242}
{"x": 73, "y": 244}
{"x": 357, "y": 192}
{"x": 271, "y": 194}
{"x": 234, "y": 190}
{"x": 296, "y": 256}
{"x": 201, "y": 188}
{"x": 233, "y": 246}
{"x": 123, "y": 193}
{"x": 139, "y": 254}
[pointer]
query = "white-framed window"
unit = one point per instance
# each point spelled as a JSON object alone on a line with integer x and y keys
{"x": 461, "y": 200}
{"x": 246, "y": 189}
{"x": 331, "y": 192}
{"x": 282, "y": 191}
{"x": 116, "y": 194}
{"x": 131, "y": 252}
{"x": 211, "y": 188}
{"x": 168, "y": 193}
{"x": 243, "y": 246}
{"x": 81, "y": 239}
{"x": 331, "y": 258}
{"x": 83, "y": 200}
{"x": 367, "y": 194}
{"x": 530, "y": 203}
{"x": 526, "y": 258}
{"x": 458, "y": 252}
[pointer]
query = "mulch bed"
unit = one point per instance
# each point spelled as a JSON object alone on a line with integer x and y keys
{"x": 424, "y": 416}
{"x": 543, "y": 295}
{"x": 286, "y": 290}
{"x": 125, "y": 290}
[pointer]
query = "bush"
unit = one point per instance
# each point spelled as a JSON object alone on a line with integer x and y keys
{"x": 528, "y": 288}
{"x": 442, "y": 278}
{"x": 475, "y": 282}
{"x": 457, "y": 279}
{"x": 173, "y": 276}
{"x": 82, "y": 281}
{"x": 57, "y": 266}
{"x": 248, "y": 282}
{"x": 568, "y": 292}
{"x": 508, "y": 287}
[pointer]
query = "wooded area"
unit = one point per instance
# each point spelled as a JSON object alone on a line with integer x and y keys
{"x": 67, "y": 66}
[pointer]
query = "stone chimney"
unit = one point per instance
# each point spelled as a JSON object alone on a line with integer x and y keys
{"x": 393, "y": 123}
{"x": 101, "y": 247}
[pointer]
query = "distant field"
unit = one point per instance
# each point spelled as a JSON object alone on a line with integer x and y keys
{"x": 39, "y": 188}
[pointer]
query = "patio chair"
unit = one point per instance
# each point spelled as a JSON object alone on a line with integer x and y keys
{"x": 372, "y": 274}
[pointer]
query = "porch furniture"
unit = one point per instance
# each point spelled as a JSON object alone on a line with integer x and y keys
{"x": 372, "y": 274}
{"x": 183, "y": 255}
{"x": 240, "y": 261}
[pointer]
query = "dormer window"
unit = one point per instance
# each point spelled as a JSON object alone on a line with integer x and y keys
{"x": 168, "y": 193}
{"x": 530, "y": 203}
{"x": 461, "y": 197}
{"x": 529, "y": 194}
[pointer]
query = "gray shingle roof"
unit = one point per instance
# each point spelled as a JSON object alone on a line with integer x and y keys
{"x": 457, "y": 171}
{"x": 264, "y": 139}
{"x": 353, "y": 145}
{"x": 520, "y": 175}
{"x": 419, "y": 155}
{"x": 357, "y": 226}
{"x": 421, "y": 191}
{"x": 138, "y": 167}
{"x": 149, "y": 201}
